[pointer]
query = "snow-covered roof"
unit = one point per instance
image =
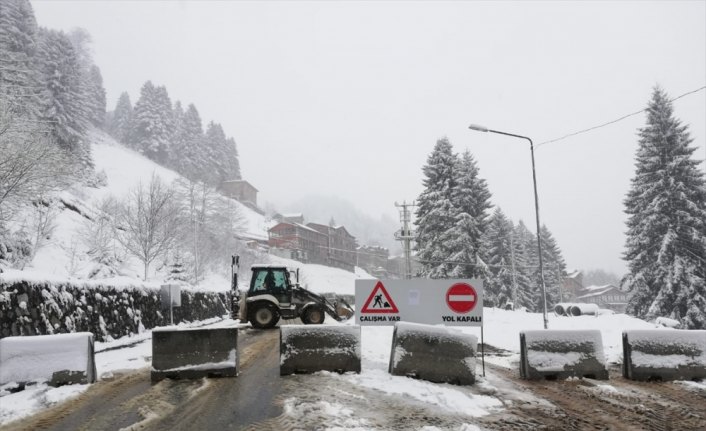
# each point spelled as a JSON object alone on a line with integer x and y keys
{"x": 593, "y": 291}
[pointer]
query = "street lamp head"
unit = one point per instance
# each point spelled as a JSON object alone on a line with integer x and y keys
{"x": 478, "y": 128}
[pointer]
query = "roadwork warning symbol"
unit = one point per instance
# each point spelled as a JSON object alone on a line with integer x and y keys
{"x": 381, "y": 301}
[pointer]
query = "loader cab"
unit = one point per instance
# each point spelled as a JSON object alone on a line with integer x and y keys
{"x": 268, "y": 280}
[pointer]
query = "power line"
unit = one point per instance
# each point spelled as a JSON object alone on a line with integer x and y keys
{"x": 614, "y": 121}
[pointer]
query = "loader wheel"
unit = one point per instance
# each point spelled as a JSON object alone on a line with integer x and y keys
{"x": 264, "y": 316}
{"x": 313, "y": 315}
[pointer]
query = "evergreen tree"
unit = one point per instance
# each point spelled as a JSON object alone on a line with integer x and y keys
{"x": 19, "y": 81}
{"x": 525, "y": 247}
{"x": 91, "y": 81}
{"x": 498, "y": 241}
{"x": 152, "y": 123}
{"x": 188, "y": 157}
{"x": 95, "y": 96}
{"x": 63, "y": 98}
{"x": 471, "y": 202}
{"x": 121, "y": 120}
{"x": 232, "y": 165}
{"x": 666, "y": 207}
{"x": 554, "y": 267}
{"x": 215, "y": 157}
{"x": 435, "y": 212}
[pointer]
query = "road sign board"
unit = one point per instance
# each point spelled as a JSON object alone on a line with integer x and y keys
{"x": 450, "y": 302}
{"x": 461, "y": 297}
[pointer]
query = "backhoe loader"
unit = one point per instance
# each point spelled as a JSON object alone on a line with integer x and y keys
{"x": 272, "y": 296}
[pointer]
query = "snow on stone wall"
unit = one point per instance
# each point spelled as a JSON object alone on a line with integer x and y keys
{"x": 43, "y": 307}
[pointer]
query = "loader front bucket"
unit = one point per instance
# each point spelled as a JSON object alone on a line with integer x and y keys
{"x": 311, "y": 348}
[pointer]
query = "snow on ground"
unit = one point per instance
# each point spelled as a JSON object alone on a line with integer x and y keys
{"x": 323, "y": 279}
{"x": 501, "y": 330}
{"x": 63, "y": 255}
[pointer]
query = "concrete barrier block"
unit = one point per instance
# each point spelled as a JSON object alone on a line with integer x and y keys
{"x": 559, "y": 354}
{"x": 311, "y": 348}
{"x": 194, "y": 353}
{"x": 59, "y": 359}
{"x": 434, "y": 353}
{"x": 664, "y": 354}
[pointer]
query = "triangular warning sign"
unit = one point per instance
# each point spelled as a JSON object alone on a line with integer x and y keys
{"x": 382, "y": 301}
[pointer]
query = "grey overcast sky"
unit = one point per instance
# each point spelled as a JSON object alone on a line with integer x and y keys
{"x": 349, "y": 98}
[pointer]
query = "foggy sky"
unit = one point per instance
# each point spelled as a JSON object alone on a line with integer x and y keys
{"x": 349, "y": 98}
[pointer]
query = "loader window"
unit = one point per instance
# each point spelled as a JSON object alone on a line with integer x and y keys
{"x": 270, "y": 280}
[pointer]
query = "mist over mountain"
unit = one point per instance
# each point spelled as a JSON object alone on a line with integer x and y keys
{"x": 367, "y": 229}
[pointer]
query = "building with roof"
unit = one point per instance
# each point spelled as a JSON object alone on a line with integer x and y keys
{"x": 243, "y": 192}
{"x": 299, "y": 242}
{"x": 607, "y": 296}
{"x": 340, "y": 248}
{"x": 373, "y": 259}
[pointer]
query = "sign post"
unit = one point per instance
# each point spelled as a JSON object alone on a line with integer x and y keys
{"x": 171, "y": 296}
{"x": 453, "y": 302}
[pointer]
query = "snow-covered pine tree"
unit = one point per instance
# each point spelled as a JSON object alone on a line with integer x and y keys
{"x": 528, "y": 290}
{"x": 63, "y": 98}
{"x": 177, "y": 270}
{"x": 121, "y": 121}
{"x": 214, "y": 150}
{"x": 554, "y": 267}
{"x": 435, "y": 213}
{"x": 19, "y": 81}
{"x": 498, "y": 243}
{"x": 152, "y": 122}
{"x": 666, "y": 207}
{"x": 232, "y": 161}
{"x": 90, "y": 78}
{"x": 95, "y": 94}
{"x": 187, "y": 154}
{"x": 471, "y": 202}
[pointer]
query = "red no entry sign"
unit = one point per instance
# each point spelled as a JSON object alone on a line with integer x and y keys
{"x": 461, "y": 297}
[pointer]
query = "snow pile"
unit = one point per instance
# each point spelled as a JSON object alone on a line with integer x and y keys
{"x": 28, "y": 359}
{"x": 376, "y": 356}
{"x": 324, "y": 279}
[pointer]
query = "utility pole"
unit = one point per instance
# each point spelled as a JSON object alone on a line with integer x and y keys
{"x": 406, "y": 235}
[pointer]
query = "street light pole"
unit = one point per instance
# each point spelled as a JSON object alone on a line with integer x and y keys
{"x": 536, "y": 210}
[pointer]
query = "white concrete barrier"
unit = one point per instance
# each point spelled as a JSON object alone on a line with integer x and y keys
{"x": 311, "y": 348}
{"x": 433, "y": 353}
{"x": 664, "y": 354}
{"x": 559, "y": 354}
{"x": 58, "y": 359}
{"x": 193, "y": 353}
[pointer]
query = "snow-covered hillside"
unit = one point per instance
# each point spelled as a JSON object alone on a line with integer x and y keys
{"x": 63, "y": 255}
